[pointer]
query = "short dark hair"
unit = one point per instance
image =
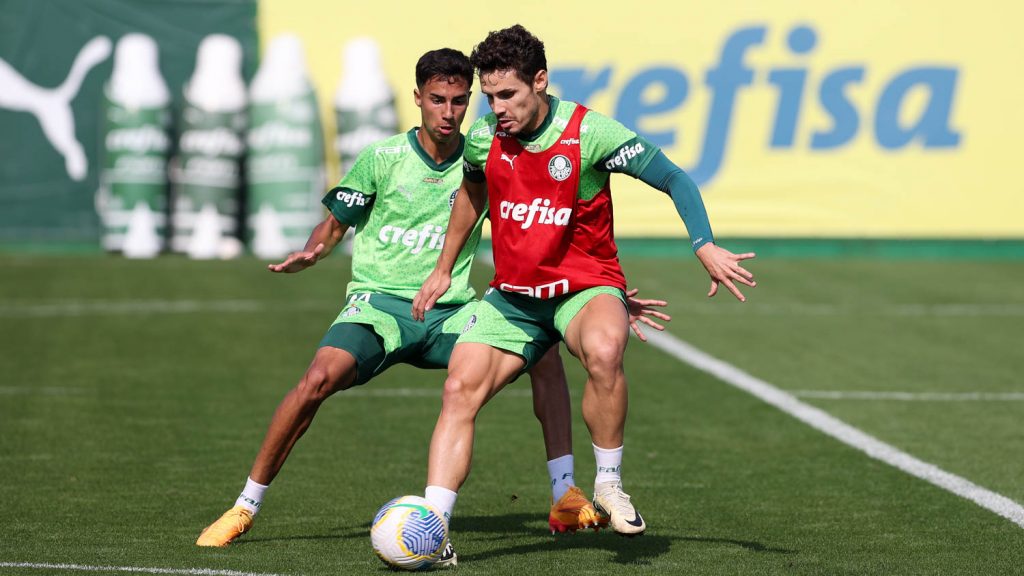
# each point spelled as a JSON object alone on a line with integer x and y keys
{"x": 513, "y": 48}
{"x": 446, "y": 63}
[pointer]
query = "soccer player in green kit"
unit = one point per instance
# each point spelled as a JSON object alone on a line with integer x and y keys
{"x": 398, "y": 197}
{"x": 542, "y": 165}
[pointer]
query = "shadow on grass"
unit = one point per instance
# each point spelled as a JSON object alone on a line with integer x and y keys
{"x": 339, "y": 533}
{"x": 517, "y": 534}
{"x": 637, "y": 550}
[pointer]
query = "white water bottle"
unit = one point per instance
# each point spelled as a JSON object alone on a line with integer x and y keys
{"x": 206, "y": 176}
{"x": 364, "y": 102}
{"x": 132, "y": 197}
{"x": 285, "y": 162}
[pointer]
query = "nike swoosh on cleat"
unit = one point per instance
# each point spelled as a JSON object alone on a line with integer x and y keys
{"x": 636, "y": 521}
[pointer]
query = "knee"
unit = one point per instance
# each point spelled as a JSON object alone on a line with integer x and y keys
{"x": 317, "y": 385}
{"x": 603, "y": 357}
{"x": 463, "y": 395}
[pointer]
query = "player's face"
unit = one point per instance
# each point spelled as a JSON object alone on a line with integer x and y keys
{"x": 443, "y": 103}
{"x": 517, "y": 104}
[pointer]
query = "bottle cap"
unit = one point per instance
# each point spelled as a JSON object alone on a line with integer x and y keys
{"x": 217, "y": 84}
{"x": 363, "y": 83}
{"x": 136, "y": 81}
{"x": 282, "y": 73}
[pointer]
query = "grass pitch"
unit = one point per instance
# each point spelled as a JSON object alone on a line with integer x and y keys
{"x": 134, "y": 395}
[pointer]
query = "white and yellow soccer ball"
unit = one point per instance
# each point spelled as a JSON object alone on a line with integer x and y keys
{"x": 409, "y": 533}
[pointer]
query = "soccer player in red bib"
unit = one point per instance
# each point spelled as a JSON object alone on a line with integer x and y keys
{"x": 541, "y": 166}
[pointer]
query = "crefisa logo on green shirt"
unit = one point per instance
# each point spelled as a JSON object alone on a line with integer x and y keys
{"x": 350, "y": 198}
{"x": 430, "y": 236}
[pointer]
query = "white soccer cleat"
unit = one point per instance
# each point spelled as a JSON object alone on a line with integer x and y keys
{"x": 623, "y": 517}
{"x": 448, "y": 558}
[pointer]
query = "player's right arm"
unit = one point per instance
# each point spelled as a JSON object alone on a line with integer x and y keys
{"x": 348, "y": 204}
{"x": 322, "y": 240}
{"x": 469, "y": 205}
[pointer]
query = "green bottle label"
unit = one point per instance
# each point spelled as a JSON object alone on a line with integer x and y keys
{"x": 360, "y": 127}
{"x": 136, "y": 144}
{"x": 207, "y": 171}
{"x": 284, "y": 172}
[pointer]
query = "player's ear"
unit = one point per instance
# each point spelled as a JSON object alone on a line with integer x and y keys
{"x": 416, "y": 97}
{"x": 540, "y": 81}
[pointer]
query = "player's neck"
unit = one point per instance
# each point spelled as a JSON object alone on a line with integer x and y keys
{"x": 438, "y": 151}
{"x": 538, "y": 120}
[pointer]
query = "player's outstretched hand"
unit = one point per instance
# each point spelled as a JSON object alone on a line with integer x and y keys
{"x": 724, "y": 268}
{"x": 640, "y": 310}
{"x": 433, "y": 288}
{"x": 298, "y": 261}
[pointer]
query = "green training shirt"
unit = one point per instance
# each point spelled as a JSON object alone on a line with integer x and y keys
{"x": 399, "y": 201}
{"x": 606, "y": 146}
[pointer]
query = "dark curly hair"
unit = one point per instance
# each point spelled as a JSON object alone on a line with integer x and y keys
{"x": 513, "y": 48}
{"x": 445, "y": 63}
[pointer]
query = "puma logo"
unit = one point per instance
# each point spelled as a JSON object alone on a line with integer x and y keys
{"x": 52, "y": 106}
{"x": 509, "y": 160}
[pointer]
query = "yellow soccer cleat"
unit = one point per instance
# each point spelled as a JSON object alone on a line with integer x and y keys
{"x": 574, "y": 511}
{"x": 229, "y": 526}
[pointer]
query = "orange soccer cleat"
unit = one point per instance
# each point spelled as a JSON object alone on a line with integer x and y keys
{"x": 574, "y": 511}
{"x": 229, "y": 526}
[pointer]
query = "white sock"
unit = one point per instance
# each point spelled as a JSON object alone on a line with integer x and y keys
{"x": 443, "y": 499}
{"x": 252, "y": 496}
{"x": 560, "y": 470}
{"x": 609, "y": 464}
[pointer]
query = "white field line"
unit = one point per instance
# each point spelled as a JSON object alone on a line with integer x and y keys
{"x": 40, "y": 391}
{"x": 371, "y": 392}
{"x": 828, "y": 424}
{"x": 358, "y": 392}
{"x": 131, "y": 569}
{"x": 965, "y": 310}
{"x": 910, "y": 396}
{"x": 64, "y": 308}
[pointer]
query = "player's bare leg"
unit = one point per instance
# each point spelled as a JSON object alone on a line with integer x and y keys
{"x": 475, "y": 373}
{"x": 332, "y": 370}
{"x": 570, "y": 507}
{"x": 551, "y": 403}
{"x": 597, "y": 335}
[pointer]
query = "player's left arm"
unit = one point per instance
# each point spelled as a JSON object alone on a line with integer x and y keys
{"x": 643, "y": 160}
{"x": 723, "y": 266}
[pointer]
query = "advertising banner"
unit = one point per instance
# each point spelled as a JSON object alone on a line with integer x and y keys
{"x": 55, "y": 60}
{"x": 797, "y": 118}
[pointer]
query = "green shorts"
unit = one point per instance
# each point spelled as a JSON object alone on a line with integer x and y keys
{"x": 379, "y": 331}
{"x": 525, "y": 325}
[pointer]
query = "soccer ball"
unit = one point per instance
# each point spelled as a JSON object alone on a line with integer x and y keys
{"x": 409, "y": 533}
